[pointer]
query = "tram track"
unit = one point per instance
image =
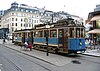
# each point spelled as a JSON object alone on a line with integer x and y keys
{"x": 13, "y": 64}
{"x": 19, "y": 69}
{"x": 37, "y": 63}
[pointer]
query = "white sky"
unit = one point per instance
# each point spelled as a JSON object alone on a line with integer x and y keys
{"x": 75, "y": 7}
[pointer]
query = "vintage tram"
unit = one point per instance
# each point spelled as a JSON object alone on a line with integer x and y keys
{"x": 65, "y": 36}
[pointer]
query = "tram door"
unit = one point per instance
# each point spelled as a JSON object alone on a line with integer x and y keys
{"x": 23, "y": 37}
{"x": 65, "y": 39}
{"x": 63, "y": 35}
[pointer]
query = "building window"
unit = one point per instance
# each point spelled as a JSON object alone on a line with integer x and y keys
{"x": 16, "y": 9}
{"x": 16, "y": 19}
{"x": 34, "y": 21}
{"x": 41, "y": 13}
{"x": 21, "y": 19}
{"x": 12, "y": 9}
{"x": 16, "y": 28}
{"x": 31, "y": 11}
{"x": 12, "y": 24}
{"x": 12, "y": 14}
{"x": 12, "y": 29}
{"x": 24, "y": 25}
{"x": 35, "y": 12}
{"x": 29, "y": 20}
{"x": 12, "y": 19}
{"x": 29, "y": 25}
{"x": 22, "y": 10}
{"x": 16, "y": 24}
{"x": 26, "y": 10}
{"x": 32, "y": 25}
{"x": 21, "y": 24}
{"x": 37, "y": 21}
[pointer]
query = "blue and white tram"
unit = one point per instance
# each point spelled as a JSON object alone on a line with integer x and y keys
{"x": 64, "y": 37}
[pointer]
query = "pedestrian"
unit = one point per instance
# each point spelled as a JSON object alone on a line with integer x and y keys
{"x": 4, "y": 40}
{"x": 25, "y": 44}
{"x": 30, "y": 46}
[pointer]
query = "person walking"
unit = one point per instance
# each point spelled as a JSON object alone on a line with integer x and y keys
{"x": 25, "y": 45}
{"x": 30, "y": 46}
{"x": 4, "y": 40}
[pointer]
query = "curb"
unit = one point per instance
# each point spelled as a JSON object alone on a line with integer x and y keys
{"x": 91, "y": 55}
{"x": 30, "y": 55}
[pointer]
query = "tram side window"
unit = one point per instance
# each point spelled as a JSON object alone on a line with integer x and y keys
{"x": 77, "y": 32}
{"x": 25, "y": 35}
{"x": 71, "y": 32}
{"x": 19, "y": 34}
{"x": 46, "y": 33}
{"x": 15, "y": 35}
{"x": 35, "y": 34}
{"x": 40, "y": 33}
{"x": 53, "y": 33}
{"x": 29, "y": 34}
{"x": 60, "y": 33}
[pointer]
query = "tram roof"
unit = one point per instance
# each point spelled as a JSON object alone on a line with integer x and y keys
{"x": 61, "y": 27}
{"x": 23, "y": 30}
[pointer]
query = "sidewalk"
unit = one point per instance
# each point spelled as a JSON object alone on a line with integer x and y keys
{"x": 53, "y": 59}
{"x": 93, "y": 52}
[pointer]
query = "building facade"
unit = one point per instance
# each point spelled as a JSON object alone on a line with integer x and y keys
{"x": 22, "y": 16}
{"x": 94, "y": 21}
{"x": 1, "y": 15}
{"x": 97, "y": 8}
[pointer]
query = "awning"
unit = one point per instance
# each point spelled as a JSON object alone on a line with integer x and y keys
{"x": 96, "y": 18}
{"x": 95, "y": 31}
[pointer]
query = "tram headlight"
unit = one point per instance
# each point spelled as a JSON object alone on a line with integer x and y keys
{"x": 80, "y": 43}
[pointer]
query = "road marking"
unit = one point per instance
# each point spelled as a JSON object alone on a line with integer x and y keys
{"x": 0, "y": 69}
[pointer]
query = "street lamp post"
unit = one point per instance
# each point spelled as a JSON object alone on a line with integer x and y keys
{"x": 46, "y": 20}
{"x": 47, "y": 35}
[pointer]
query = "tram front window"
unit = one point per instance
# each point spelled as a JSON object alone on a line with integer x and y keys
{"x": 71, "y": 32}
{"x": 82, "y": 32}
{"x": 77, "y": 32}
